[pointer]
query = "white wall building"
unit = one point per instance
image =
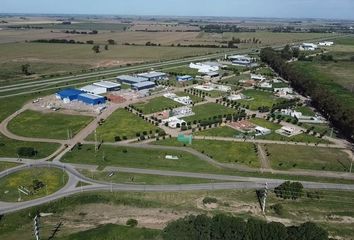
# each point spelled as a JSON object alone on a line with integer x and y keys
{"x": 326, "y": 44}
{"x": 308, "y": 47}
{"x": 173, "y": 122}
{"x": 204, "y": 67}
{"x": 92, "y": 89}
{"x": 261, "y": 131}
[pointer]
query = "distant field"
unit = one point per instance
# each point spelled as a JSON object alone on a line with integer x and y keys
{"x": 302, "y": 157}
{"x": 83, "y": 26}
{"x": 156, "y": 105}
{"x": 122, "y": 123}
{"x": 208, "y": 110}
{"x": 47, "y": 125}
{"x": 8, "y": 148}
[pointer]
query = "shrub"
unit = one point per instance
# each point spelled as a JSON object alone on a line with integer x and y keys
{"x": 26, "y": 152}
{"x": 209, "y": 200}
{"x": 132, "y": 222}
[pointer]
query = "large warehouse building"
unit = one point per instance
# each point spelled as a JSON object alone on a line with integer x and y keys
{"x": 93, "y": 89}
{"x": 153, "y": 76}
{"x": 91, "y": 99}
{"x": 68, "y": 95}
{"x": 143, "y": 85}
{"x": 130, "y": 79}
{"x": 109, "y": 86}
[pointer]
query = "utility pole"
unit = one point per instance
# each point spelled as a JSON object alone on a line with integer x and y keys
{"x": 55, "y": 231}
{"x": 36, "y": 226}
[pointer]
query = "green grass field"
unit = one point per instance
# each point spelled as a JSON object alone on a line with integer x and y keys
{"x": 137, "y": 158}
{"x": 47, "y": 125}
{"x": 116, "y": 232}
{"x": 7, "y": 165}
{"x": 156, "y": 105}
{"x": 133, "y": 178}
{"x": 266, "y": 124}
{"x": 224, "y": 131}
{"x": 53, "y": 179}
{"x": 122, "y": 123}
{"x": 84, "y": 26}
{"x": 208, "y": 110}
{"x": 184, "y": 70}
{"x": 302, "y": 157}
{"x": 260, "y": 99}
{"x": 8, "y": 148}
{"x": 222, "y": 151}
{"x": 305, "y": 111}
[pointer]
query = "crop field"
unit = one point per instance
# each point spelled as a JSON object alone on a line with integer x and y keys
{"x": 156, "y": 105}
{"x": 208, "y": 110}
{"x": 47, "y": 125}
{"x": 260, "y": 99}
{"x": 123, "y": 124}
{"x": 303, "y": 157}
{"x": 9, "y": 147}
{"x": 222, "y": 151}
{"x": 53, "y": 179}
{"x": 137, "y": 158}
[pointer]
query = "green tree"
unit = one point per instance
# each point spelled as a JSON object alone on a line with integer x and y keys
{"x": 25, "y": 68}
{"x": 96, "y": 48}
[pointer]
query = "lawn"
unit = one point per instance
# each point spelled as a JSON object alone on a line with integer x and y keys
{"x": 47, "y": 125}
{"x": 222, "y": 151}
{"x": 133, "y": 178}
{"x": 303, "y": 157}
{"x": 52, "y": 178}
{"x": 224, "y": 131}
{"x": 156, "y": 105}
{"x": 209, "y": 110}
{"x": 306, "y": 111}
{"x": 137, "y": 158}
{"x": 8, "y": 148}
{"x": 259, "y": 99}
{"x": 116, "y": 232}
{"x": 265, "y": 123}
{"x": 180, "y": 71}
{"x": 122, "y": 123}
{"x": 7, "y": 165}
{"x": 298, "y": 138}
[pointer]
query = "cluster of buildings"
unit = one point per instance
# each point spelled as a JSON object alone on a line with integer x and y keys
{"x": 207, "y": 70}
{"x": 208, "y": 87}
{"x": 313, "y": 46}
{"x": 143, "y": 81}
{"x": 246, "y": 126}
{"x": 173, "y": 117}
{"x": 185, "y": 100}
{"x": 302, "y": 118}
{"x": 243, "y": 60}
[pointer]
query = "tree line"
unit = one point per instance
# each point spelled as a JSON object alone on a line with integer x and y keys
{"x": 333, "y": 108}
{"x": 224, "y": 227}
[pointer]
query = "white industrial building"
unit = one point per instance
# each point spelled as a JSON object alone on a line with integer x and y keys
{"x": 204, "y": 67}
{"x": 326, "y": 44}
{"x": 265, "y": 85}
{"x": 182, "y": 112}
{"x": 109, "y": 86}
{"x": 258, "y": 77}
{"x": 95, "y": 90}
{"x": 290, "y": 112}
{"x": 153, "y": 76}
{"x": 308, "y": 47}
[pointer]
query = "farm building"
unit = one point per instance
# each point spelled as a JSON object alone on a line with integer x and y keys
{"x": 92, "y": 89}
{"x": 130, "y": 79}
{"x": 184, "y": 78}
{"x": 153, "y": 76}
{"x": 91, "y": 99}
{"x": 143, "y": 85}
{"x": 68, "y": 95}
{"x": 109, "y": 86}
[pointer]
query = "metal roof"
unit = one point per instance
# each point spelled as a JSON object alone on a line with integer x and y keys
{"x": 91, "y": 96}
{"x": 144, "y": 84}
{"x": 131, "y": 78}
{"x": 107, "y": 84}
{"x": 152, "y": 74}
{"x": 92, "y": 88}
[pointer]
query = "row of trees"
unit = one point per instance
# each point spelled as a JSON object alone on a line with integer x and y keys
{"x": 223, "y": 227}
{"x": 336, "y": 109}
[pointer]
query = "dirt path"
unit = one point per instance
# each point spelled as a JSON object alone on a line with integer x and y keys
{"x": 265, "y": 164}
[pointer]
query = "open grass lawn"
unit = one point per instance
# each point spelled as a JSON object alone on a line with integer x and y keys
{"x": 7, "y": 165}
{"x": 116, "y": 232}
{"x": 52, "y": 178}
{"x": 336, "y": 77}
{"x": 137, "y": 158}
{"x": 133, "y": 178}
{"x": 259, "y": 99}
{"x": 156, "y": 105}
{"x": 320, "y": 128}
{"x": 306, "y": 111}
{"x": 298, "y": 138}
{"x": 122, "y": 123}
{"x": 266, "y": 124}
{"x": 222, "y": 151}
{"x": 8, "y": 148}
{"x": 180, "y": 71}
{"x": 224, "y": 131}
{"x": 302, "y": 157}
{"x": 345, "y": 41}
{"x": 235, "y": 79}
{"x": 208, "y": 110}
{"x": 47, "y": 125}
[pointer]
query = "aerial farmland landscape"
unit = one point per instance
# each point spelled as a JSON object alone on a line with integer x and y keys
{"x": 177, "y": 120}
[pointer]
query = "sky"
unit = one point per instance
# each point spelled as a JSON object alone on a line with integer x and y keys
{"x": 336, "y": 9}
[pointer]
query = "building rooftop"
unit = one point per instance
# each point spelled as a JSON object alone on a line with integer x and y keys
{"x": 151, "y": 74}
{"x": 92, "y": 88}
{"x": 69, "y": 92}
{"x": 144, "y": 84}
{"x": 131, "y": 78}
{"x": 107, "y": 84}
{"x": 91, "y": 96}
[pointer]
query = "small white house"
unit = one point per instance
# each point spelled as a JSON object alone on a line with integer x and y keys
{"x": 261, "y": 131}
{"x": 326, "y": 44}
{"x": 258, "y": 77}
{"x": 308, "y": 47}
{"x": 265, "y": 85}
{"x": 173, "y": 122}
{"x": 288, "y": 130}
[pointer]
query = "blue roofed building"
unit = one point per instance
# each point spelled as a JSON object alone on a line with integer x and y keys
{"x": 69, "y": 95}
{"x": 91, "y": 99}
{"x": 143, "y": 86}
{"x": 184, "y": 78}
